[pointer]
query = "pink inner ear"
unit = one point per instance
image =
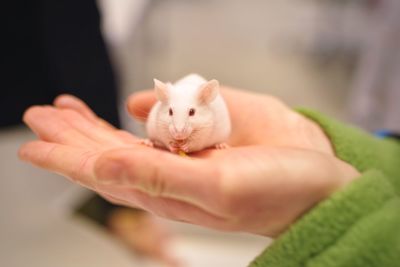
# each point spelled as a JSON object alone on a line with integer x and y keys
{"x": 208, "y": 92}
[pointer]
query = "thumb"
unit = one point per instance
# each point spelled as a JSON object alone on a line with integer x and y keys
{"x": 140, "y": 103}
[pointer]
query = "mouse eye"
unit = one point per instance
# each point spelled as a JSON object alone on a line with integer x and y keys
{"x": 170, "y": 112}
{"x": 191, "y": 112}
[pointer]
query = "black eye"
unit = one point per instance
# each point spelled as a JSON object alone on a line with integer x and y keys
{"x": 170, "y": 112}
{"x": 191, "y": 112}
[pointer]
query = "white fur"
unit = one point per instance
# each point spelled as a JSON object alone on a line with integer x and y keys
{"x": 211, "y": 123}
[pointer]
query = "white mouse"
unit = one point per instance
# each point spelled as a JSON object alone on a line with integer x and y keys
{"x": 190, "y": 115}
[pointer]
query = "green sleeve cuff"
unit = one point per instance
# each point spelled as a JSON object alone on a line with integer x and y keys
{"x": 321, "y": 232}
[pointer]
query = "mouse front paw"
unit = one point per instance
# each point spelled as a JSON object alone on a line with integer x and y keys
{"x": 221, "y": 146}
{"x": 185, "y": 147}
{"x": 146, "y": 142}
{"x": 173, "y": 147}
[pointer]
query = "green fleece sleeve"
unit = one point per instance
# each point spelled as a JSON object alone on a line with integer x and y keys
{"x": 358, "y": 226}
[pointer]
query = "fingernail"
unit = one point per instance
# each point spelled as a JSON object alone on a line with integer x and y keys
{"x": 110, "y": 173}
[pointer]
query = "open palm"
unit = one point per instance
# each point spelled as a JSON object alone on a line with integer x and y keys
{"x": 279, "y": 165}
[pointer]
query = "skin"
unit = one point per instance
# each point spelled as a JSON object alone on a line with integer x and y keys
{"x": 279, "y": 164}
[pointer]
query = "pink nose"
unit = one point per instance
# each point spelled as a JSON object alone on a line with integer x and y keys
{"x": 179, "y": 132}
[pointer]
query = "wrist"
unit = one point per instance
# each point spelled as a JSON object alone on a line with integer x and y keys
{"x": 321, "y": 142}
{"x": 316, "y": 136}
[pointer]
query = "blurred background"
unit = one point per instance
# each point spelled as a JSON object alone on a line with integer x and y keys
{"x": 340, "y": 57}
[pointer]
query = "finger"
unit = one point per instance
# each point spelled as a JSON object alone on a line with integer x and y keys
{"x": 74, "y": 163}
{"x": 140, "y": 103}
{"x": 161, "y": 174}
{"x": 114, "y": 200}
{"x": 74, "y": 103}
{"x": 165, "y": 207}
{"x": 70, "y": 102}
{"x": 96, "y": 132}
{"x": 46, "y": 123}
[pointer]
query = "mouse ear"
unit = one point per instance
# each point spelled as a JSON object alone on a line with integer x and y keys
{"x": 208, "y": 92}
{"x": 161, "y": 90}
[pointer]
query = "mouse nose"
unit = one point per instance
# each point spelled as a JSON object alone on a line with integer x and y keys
{"x": 179, "y": 127}
{"x": 180, "y": 132}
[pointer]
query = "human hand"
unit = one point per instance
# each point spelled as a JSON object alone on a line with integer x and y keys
{"x": 280, "y": 164}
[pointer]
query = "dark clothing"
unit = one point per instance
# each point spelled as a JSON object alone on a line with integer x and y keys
{"x": 50, "y": 48}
